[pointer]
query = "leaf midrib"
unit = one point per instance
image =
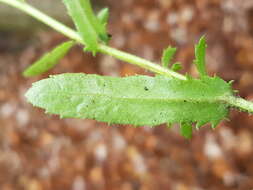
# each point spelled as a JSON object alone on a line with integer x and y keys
{"x": 217, "y": 99}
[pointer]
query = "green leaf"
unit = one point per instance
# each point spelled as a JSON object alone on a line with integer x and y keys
{"x": 186, "y": 130}
{"x": 168, "y": 54}
{"x": 200, "y": 124}
{"x": 49, "y": 60}
{"x": 99, "y": 27}
{"x": 214, "y": 124}
{"x": 200, "y": 56}
{"x": 176, "y": 67}
{"x": 169, "y": 125}
{"x": 84, "y": 23}
{"x": 137, "y": 100}
{"x": 103, "y": 16}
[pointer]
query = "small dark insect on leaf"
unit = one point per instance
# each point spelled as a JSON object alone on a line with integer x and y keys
{"x": 109, "y": 35}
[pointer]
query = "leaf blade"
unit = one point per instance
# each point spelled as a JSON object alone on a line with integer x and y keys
{"x": 150, "y": 101}
{"x": 186, "y": 130}
{"x": 83, "y": 24}
{"x": 168, "y": 54}
{"x": 103, "y": 16}
{"x": 176, "y": 67}
{"x": 49, "y": 60}
{"x": 94, "y": 20}
{"x": 200, "y": 56}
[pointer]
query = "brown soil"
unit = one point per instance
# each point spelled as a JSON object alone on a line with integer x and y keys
{"x": 39, "y": 151}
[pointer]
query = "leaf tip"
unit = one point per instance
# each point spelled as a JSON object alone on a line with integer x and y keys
{"x": 214, "y": 124}
{"x": 176, "y": 66}
{"x": 200, "y": 55}
{"x": 167, "y": 56}
{"x": 199, "y": 124}
{"x": 169, "y": 125}
{"x": 186, "y": 130}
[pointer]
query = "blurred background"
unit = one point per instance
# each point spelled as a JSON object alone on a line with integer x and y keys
{"x": 43, "y": 152}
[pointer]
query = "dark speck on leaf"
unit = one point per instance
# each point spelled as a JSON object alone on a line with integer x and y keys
{"x": 146, "y": 88}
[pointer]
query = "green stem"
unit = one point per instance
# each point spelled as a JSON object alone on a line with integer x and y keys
{"x": 130, "y": 58}
{"x": 102, "y": 48}
{"x": 239, "y": 103}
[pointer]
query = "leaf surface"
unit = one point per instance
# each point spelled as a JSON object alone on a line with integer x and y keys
{"x": 168, "y": 54}
{"x": 103, "y": 16}
{"x": 137, "y": 100}
{"x": 99, "y": 27}
{"x": 83, "y": 23}
{"x": 186, "y": 130}
{"x": 176, "y": 67}
{"x": 200, "y": 56}
{"x": 49, "y": 60}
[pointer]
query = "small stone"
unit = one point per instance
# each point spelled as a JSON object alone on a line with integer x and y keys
{"x": 109, "y": 66}
{"x": 46, "y": 139}
{"x": 34, "y": 185}
{"x": 100, "y": 152}
{"x": 119, "y": 142}
{"x": 152, "y": 21}
{"x": 22, "y": 117}
{"x": 187, "y": 14}
{"x": 172, "y": 18}
{"x": 96, "y": 175}
{"x": 228, "y": 139}
{"x": 79, "y": 183}
{"x": 7, "y": 110}
{"x": 137, "y": 160}
{"x": 179, "y": 35}
{"x": 212, "y": 149}
{"x": 181, "y": 186}
{"x": 244, "y": 143}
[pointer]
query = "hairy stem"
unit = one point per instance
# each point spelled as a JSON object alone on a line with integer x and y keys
{"x": 239, "y": 103}
{"x": 130, "y": 58}
{"x": 102, "y": 48}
